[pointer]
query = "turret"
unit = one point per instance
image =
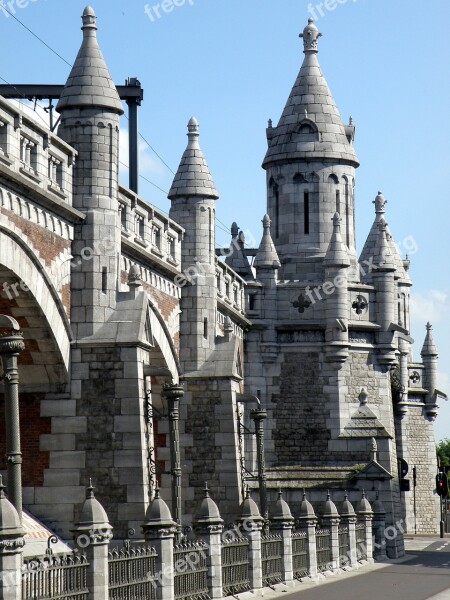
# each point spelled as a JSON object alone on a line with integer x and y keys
{"x": 310, "y": 165}
{"x": 90, "y": 108}
{"x": 335, "y": 290}
{"x": 193, "y": 198}
{"x": 384, "y": 281}
{"x": 236, "y": 258}
{"x": 429, "y": 359}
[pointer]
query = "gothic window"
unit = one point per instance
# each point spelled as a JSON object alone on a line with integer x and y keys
{"x": 123, "y": 215}
{"x": 338, "y": 201}
{"x": 28, "y": 154}
{"x": 306, "y": 212}
{"x": 276, "y": 200}
{"x": 299, "y": 178}
{"x": 307, "y": 132}
{"x": 55, "y": 171}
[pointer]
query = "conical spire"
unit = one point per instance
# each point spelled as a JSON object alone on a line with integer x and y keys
{"x": 337, "y": 255}
{"x": 236, "y": 258}
{"x": 428, "y": 348}
{"x": 266, "y": 257}
{"x": 367, "y": 254}
{"x": 310, "y": 126}
{"x": 89, "y": 82}
{"x": 193, "y": 177}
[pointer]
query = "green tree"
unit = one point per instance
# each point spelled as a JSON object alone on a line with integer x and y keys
{"x": 443, "y": 451}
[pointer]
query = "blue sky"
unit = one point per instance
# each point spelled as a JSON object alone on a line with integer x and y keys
{"x": 232, "y": 65}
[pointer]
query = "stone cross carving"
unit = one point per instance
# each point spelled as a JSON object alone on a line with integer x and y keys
{"x": 301, "y": 303}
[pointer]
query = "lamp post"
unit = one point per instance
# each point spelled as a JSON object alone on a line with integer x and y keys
{"x": 258, "y": 415}
{"x": 11, "y": 345}
{"x": 173, "y": 392}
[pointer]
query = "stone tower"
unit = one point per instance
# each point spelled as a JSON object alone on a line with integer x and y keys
{"x": 193, "y": 198}
{"x": 90, "y": 108}
{"x": 330, "y": 349}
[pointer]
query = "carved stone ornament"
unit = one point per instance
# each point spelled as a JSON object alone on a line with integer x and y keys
{"x": 301, "y": 304}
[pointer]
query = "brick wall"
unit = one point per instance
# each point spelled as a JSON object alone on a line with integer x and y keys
{"x": 32, "y": 425}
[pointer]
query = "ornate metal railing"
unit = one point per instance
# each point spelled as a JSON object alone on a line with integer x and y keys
{"x": 344, "y": 546}
{"x": 132, "y": 572}
{"x": 361, "y": 547}
{"x": 323, "y": 545}
{"x": 235, "y": 577}
{"x": 55, "y": 576}
{"x": 271, "y": 559}
{"x": 300, "y": 561}
{"x": 191, "y": 571}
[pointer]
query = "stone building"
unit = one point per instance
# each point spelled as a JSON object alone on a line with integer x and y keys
{"x": 115, "y": 299}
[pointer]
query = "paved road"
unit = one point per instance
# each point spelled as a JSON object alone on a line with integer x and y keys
{"x": 425, "y": 576}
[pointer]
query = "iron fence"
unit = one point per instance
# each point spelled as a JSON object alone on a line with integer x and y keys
{"x": 361, "y": 547}
{"x": 191, "y": 571}
{"x": 323, "y": 544}
{"x": 271, "y": 559}
{"x": 131, "y": 571}
{"x": 235, "y": 562}
{"x": 55, "y": 577}
{"x": 300, "y": 561}
{"x": 344, "y": 546}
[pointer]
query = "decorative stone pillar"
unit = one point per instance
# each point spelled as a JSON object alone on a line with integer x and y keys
{"x": 349, "y": 519}
{"x": 173, "y": 393}
{"x": 251, "y": 525}
{"x": 365, "y": 515}
{"x": 159, "y": 529}
{"x": 308, "y": 521}
{"x": 92, "y": 533}
{"x": 330, "y": 518}
{"x": 379, "y": 529}
{"x": 259, "y": 415}
{"x": 283, "y": 522}
{"x": 11, "y": 545}
{"x": 208, "y": 525}
{"x": 11, "y": 345}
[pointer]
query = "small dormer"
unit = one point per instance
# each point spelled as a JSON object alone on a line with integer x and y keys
{"x": 307, "y": 131}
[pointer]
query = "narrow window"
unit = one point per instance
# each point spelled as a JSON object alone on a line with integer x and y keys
{"x": 205, "y": 328}
{"x": 277, "y": 210}
{"x": 338, "y": 201}
{"x": 104, "y": 279}
{"x": 347, "y": 214}
{"x": 306, "y": 212}
{"x": 251, "y": 301}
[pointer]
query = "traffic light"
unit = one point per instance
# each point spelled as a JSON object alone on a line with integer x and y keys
{"x": 442, "y": 485}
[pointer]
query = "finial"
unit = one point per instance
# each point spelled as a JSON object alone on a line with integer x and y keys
{"x": 373, "y": 449}
{"x": 328, "y": 495}
{"x": 363, "y": 396}
{"x": 350, "y": 121}
{"x": 157, "y": 494}
{"x": 310, "y": 36}
{"x": 89, "y": 19}
{"x": 193, "y": 126}
{"x": 90, "y": 490}
{"x": 346, "y": 495}
{"x": 2, "y": 487}
{"x": 266, "y": 222}
{"x": 247, "y": 492}
{"x": 336, "y": 222}
{"x": 304, "y": 494}
{"x": 429, "y": 326}
{"x": 134, "y": 277}
{"x": 380, "y": 203}
{"x": 206, "y": 490}
{"x": 364, "y": 494}
{"x": 234, "y": 229}
{"x": 270, "y": 124}
{"x": 280, "y": 494}
{"x": 241, "y": 238}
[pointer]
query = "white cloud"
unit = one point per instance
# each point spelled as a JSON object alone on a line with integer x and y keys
{"x": 434, "y": 306}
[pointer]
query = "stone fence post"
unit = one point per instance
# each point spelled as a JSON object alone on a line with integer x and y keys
{"x": 330, "y": 518}
{"x": 365, "y": 516}
{"x": 92, "y": 534}
{"x": 208, "y": 525}
{"x": 349, "y": 519}
{"x": 11, "y": 546}
{"x": 159, "y": 530}
{"x": 252, "y": 524}
{"x": 308, "y": 521}
{"x": 282, "y": 521}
